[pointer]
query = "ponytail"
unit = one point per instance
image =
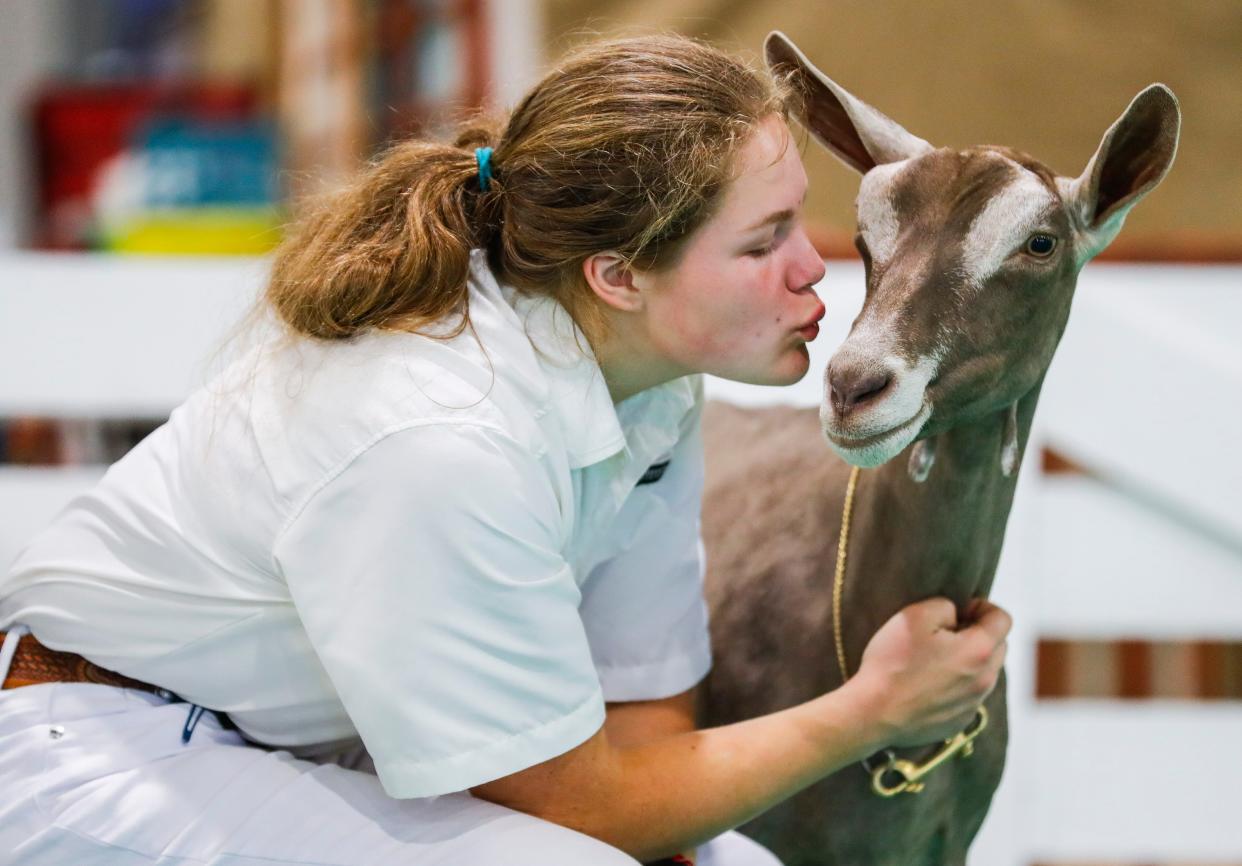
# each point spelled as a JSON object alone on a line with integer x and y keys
{"x": 391, "y": 250}
{"x": 625, "y": 146}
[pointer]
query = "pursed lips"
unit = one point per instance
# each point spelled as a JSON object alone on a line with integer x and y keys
{"x": 814, "y": 320}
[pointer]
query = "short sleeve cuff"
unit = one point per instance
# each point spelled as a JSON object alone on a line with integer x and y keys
{"x": 649, "y": 682}
{"x": 405, "y": 780}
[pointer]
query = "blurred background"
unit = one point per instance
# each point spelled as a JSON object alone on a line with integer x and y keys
{"x": 151, "y": 150}
{"x": 183, "y": 125}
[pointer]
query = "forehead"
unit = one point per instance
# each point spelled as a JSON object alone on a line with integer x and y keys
{"x": 983, "y": 198}
{"x": 958, "y": 181}
{"x": 769, "y": 177}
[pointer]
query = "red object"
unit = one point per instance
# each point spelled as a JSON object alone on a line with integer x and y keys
{"x": 399, "y": 36}
{"x": 32, "y": 442}
{"x": 78, "y": 128}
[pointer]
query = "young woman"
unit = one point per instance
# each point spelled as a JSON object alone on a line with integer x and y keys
{"x": 430, "y": 559}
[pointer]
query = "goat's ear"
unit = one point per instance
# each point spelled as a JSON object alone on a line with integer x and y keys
{"x": 1133, "y": 157}
{"x": 857, "y": 134}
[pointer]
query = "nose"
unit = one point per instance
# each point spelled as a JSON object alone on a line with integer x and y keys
{"x": 853, "y": 385}
{"x": 808, "y": 269}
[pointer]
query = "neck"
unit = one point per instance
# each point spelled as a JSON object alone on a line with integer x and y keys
{"x": 939, "y": 537}
{"x": 629, "y": 363}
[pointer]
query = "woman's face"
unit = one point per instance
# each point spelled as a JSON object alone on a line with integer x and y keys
{"x": 739, "y": 302}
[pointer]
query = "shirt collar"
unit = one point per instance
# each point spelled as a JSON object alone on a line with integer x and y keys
{"x": 577, "y": 395}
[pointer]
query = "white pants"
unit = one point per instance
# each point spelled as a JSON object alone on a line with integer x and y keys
{"x": 93, "y": 774}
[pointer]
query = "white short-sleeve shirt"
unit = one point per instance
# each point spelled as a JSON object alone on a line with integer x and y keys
{"x": 456, "y": 549}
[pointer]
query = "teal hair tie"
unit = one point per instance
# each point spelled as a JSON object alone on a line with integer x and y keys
{"x": 483, "y": 156}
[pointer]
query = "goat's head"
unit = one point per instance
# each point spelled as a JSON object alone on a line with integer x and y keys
{"x": 971, "y": 259}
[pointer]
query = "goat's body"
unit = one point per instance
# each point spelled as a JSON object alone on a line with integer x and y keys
{"x": 771, "y": 516}
{"x": 971, "y": 261}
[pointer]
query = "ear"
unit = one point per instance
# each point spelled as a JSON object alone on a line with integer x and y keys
{"x": 613, "y": 281}
{"x": 1133, "y": 157}
{"x": 857, "y": 134}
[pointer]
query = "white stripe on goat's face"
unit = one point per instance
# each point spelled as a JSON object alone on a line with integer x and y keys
{"x": 877, "y": 211}
{"x": 1006, "y": 221}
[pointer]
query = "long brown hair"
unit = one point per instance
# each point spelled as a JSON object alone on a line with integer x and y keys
{"x": 624, "y": 146}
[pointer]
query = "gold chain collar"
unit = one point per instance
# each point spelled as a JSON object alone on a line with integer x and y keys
{"x": 909, "y": 772}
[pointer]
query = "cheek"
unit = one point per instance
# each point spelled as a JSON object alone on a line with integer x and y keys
{"x": 721, "y": 328}
{"x": 724, "y": 311}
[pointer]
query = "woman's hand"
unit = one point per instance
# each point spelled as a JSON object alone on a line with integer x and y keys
{"x": 927, "y": 674}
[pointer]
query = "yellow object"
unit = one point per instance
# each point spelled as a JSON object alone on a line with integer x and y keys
{"x": 200, "y": 231}
{"x": 838, "y": 582}
{"x": 911, "y": 773}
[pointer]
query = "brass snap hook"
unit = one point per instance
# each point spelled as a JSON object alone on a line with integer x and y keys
{"x": 912, "y": 774}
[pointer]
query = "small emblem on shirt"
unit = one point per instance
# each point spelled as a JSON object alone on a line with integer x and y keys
{"x": 654, "y": 472}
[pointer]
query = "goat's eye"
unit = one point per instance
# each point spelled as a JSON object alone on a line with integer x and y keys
{"x": 861, "y": 246}
{"x": 1041, "y": 245}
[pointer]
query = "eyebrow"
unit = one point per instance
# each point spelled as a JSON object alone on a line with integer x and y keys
{"x": 779, "y": 217}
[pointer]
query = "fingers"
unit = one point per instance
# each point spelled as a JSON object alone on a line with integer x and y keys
{"x": 988, "y": 644}
{"x": 991, "y": 672}
{"x": 935, "y": 613}
{"x": 994, "y": 620}
{"x": 941, "y": 613}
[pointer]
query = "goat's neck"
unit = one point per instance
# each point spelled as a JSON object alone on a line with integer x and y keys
{"x": 939, "y": 537}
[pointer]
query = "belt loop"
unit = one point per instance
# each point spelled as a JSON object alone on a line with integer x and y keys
{"x": 191, "y": 722}
{"x": 9, "y": 650}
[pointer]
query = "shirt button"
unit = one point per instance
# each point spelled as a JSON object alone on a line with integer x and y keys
{"x": 541, "y": 412}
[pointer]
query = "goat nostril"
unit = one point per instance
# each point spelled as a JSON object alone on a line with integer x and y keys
{"x": 849, "y": 390}
{"x": 873, "y": 388}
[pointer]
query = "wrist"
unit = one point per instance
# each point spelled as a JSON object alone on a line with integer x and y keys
{"x": 868, "y": 700}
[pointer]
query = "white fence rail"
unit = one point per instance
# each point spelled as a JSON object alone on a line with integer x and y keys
{"x": 105, "y": 335}
{"x": 1154, "y": 783}
{"x": 1146, "y": 387}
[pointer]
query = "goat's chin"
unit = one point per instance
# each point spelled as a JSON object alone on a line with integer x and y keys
{"x": 877, "y": 449}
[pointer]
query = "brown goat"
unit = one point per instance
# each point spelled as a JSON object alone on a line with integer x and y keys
{"x": 972, "y": 257}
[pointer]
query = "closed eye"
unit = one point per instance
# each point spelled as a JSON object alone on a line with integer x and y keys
{"x": 782, "y": 231}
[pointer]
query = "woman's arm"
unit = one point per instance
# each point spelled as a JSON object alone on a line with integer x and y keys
{"x": 920, "y": 680}
{"x": 633, "y": 722}
{"x": 660, "y": 797}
